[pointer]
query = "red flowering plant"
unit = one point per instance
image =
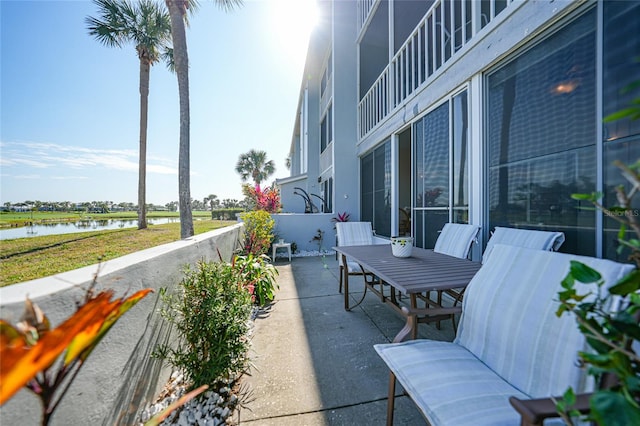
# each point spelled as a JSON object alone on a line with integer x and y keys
{"x": 267, "y": 199}
{"x": 341, "y": 217}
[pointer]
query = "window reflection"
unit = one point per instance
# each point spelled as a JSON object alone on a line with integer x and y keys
{"x": 540, "y": 129}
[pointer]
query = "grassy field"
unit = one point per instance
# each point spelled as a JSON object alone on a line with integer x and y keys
{"x": 26, "y": 259}
{"x": 12, "y": 219}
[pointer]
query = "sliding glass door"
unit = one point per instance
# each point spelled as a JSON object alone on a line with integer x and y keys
{"x": 441, "y": 176}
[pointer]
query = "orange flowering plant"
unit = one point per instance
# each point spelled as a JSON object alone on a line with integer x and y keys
{"x": 46, "y": 360}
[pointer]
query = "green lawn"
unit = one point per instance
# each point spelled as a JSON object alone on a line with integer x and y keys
{"x": 8, "y": 219}
{"x": 26, "y": 259}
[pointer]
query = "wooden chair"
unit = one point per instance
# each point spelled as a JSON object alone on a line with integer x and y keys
{"x": 509, "y": 343}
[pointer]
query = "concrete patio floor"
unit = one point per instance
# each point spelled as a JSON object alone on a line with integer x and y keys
{"x": 314, "y": 362}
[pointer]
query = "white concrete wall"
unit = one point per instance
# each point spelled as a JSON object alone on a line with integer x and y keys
{"x": 301, "y": 228}
{"x": 120, "y": 376}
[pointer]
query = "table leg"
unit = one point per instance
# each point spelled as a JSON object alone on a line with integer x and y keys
{"x": 414, "y": 304}
{"x": 345, "y": 279}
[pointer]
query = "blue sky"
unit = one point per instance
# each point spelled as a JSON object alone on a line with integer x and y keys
{"x": 69, "y": 117}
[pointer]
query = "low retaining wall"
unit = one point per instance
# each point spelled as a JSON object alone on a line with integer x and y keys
{"x": 120, "y": 376}
{"x": 301, "y": 228}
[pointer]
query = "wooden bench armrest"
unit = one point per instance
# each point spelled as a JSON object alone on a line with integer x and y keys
{"x": 535, "y": 411}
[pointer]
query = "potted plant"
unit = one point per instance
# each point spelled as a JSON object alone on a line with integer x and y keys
{"x": 401, "y": 246}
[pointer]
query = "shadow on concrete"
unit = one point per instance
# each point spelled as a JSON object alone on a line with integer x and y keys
{"x": 314, "y": 362}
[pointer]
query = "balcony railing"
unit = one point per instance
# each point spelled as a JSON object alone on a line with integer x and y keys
{"x": 444, "y": 30}
{"x": 365, "y": 7}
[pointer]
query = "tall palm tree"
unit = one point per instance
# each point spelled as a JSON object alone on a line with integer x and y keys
{"x": 147, "y": 25}
{"x": 178, "y": 13}
{"x": 254, "y": 165}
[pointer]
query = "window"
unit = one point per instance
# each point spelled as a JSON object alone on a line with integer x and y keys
{"x": 326, "y": 129}
{"x": 375, "y": 189}
{"x": 326, "y": 75}
{"x": 327, "y": 195}
{"x": 441, "y": 178}
{"x": 540, "y": 135}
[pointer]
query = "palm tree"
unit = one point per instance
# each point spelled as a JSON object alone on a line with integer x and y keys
{"x": 213, "y": 201}
{"x": 254, "y": 164}
{"x": 147, "y": 26}
{"x": 178, "y": 14}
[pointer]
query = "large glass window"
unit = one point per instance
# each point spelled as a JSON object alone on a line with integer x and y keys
{"x": 375, "y": 189}
{"x": 540, "y": 134}
{"x": 441, "y": 179}
{"x": 621, "y": 67}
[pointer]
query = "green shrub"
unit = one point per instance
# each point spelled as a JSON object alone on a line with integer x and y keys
{"x": 258, "y": 232}
{"x": 259, "y": 276}
{"x": 211, "y": 313}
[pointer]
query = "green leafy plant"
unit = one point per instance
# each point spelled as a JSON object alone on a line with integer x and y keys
{"x": 258, "y": 276}
{"x": 609, "y": 320}
{"x": 258, "y": 232}
{"x": 211, "y": 313}
{"x": 610, "y": 334}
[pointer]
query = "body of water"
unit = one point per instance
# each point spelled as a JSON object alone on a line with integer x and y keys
{"x": 78, "y": 226}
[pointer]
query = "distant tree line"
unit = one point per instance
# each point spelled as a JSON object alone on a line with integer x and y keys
{"x": 210, "y": 203}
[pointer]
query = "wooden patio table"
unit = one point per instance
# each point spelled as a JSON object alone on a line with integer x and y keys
{"x": 415, "y": 276}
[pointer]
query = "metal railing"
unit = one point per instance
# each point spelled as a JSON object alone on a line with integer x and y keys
{"x": 364, "y": 9}
{"x": 442, "y": 32}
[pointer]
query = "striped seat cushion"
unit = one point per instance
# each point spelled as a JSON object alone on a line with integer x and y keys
{"x": 455, "y": 239}
{"x": 449, "y": 384}
{"x": 353, "y": 234}
{"x": 541, "y": 240}
{"x": 509, "y": 322}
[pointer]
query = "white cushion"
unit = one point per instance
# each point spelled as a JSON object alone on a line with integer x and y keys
{"x": 449, "y": 384}
{"x": 509, "y": 322}
{"x": 354, "y": 234}
{"x": 541, "y": 240}
{"x": 455, "y": 239}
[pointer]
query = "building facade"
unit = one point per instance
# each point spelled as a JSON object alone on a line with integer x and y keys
{"x": 417, "y": 113}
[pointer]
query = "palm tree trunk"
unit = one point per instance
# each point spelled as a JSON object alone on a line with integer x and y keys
{"x": 142, "y": 161}
{"x": 177, "y": 10}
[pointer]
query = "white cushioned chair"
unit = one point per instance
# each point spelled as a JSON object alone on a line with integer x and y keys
{"x": 509, "y": 343}
{"x": 455, "y": 239}
{"x": 353, "y": 234}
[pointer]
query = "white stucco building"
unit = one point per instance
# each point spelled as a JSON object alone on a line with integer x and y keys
{"x": 480, "y": 111}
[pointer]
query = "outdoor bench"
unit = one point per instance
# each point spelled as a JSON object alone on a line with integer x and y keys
{"x": 509, "y": 343}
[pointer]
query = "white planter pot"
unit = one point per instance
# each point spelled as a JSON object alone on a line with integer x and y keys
{"x": 401, "y": 246}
